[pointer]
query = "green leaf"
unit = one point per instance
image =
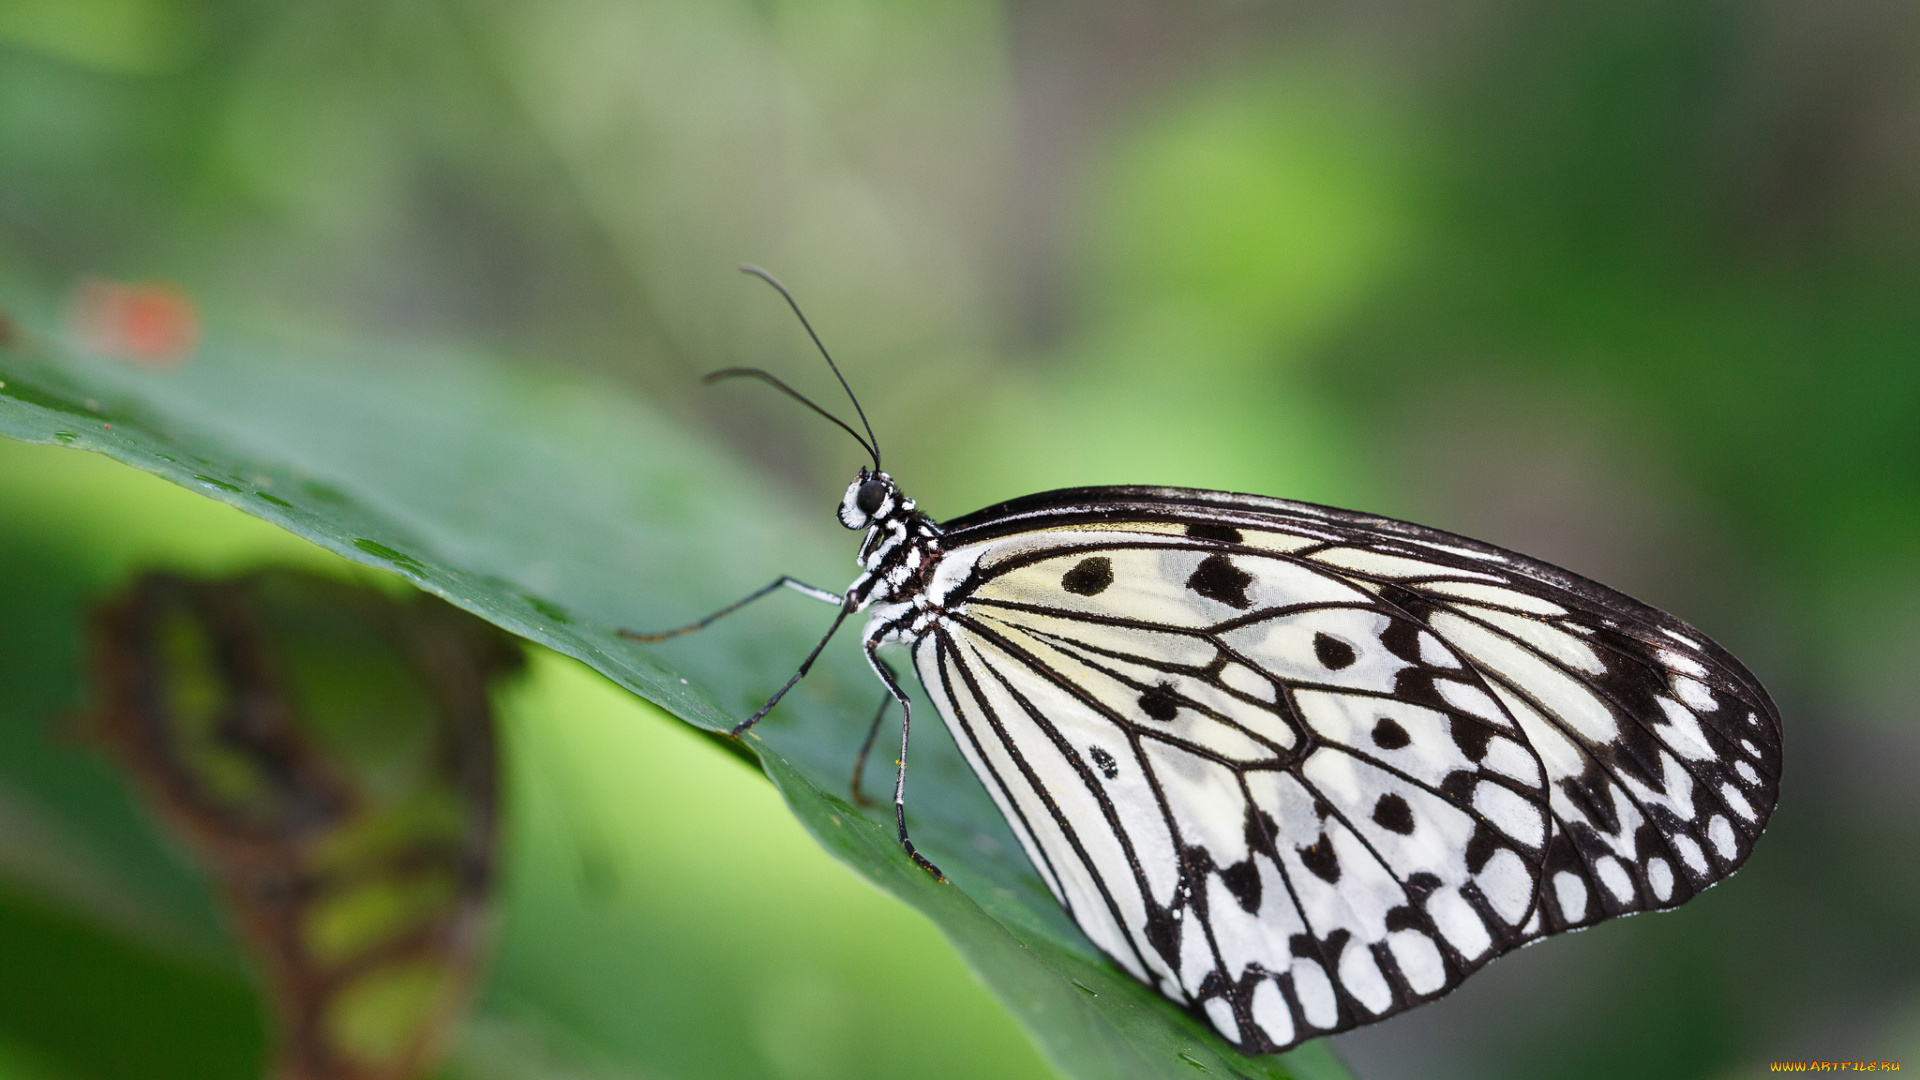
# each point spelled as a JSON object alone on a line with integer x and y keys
{"x": 562, "y": 512}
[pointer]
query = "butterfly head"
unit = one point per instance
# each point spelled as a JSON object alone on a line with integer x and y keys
{"x": 870, "y": 497}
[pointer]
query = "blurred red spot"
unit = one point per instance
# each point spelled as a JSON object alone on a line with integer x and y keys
{"x": 154, "y": 325}
{"x": 6, "y": 330}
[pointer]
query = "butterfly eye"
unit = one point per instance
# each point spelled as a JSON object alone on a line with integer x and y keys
{"x": 867, "y": 500}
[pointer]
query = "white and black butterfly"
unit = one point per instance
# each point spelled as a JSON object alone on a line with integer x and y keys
{"x": 1300, "y": 768}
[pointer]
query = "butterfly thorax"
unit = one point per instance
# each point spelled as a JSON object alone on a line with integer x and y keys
{"x": 902, "y": 546}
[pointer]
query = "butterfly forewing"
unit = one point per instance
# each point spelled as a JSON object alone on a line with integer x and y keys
{"x": 1303, "y": 768}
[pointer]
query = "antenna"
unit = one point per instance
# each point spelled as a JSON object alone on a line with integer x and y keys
{"x": 756, "y": 373}
{"x": 871, "y": 442}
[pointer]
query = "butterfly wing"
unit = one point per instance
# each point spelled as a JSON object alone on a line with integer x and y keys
{"x": 1303, "y": 768}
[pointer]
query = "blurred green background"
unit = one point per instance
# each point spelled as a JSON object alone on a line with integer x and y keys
{"x": 1631, "y": 286}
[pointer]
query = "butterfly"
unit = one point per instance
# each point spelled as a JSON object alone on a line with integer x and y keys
{"x": 1298, "y": 768}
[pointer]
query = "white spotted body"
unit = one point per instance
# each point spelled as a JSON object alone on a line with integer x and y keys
{"x": 1298, "y": 768}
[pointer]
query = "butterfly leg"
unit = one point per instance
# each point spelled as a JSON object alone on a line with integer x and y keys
{"x": 892, "y": 682}
{"x": 806, "y": 665}
{"x": 797, "y": 586}
{"x": 866, "y": 747}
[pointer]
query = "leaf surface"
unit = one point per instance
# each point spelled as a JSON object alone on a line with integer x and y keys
{"x": 562, "y": 511}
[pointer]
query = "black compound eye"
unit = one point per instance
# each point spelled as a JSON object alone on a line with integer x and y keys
{"x": 868, "y": 499}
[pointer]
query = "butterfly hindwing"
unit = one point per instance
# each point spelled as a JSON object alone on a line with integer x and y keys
{"x": 1301, "y": 769}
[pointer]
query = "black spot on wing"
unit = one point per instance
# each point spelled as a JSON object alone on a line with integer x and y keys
{"x": 1402, "y": 639}
{"x": 1160, "y": 702}
{"x": 1208, "y": 530}
{"x": 1089, "y": 576}
{"x": 1196, "y": 865}
{"x": 1261, "y": 829}
{"x": 1420, "y": 885}
{"x": 1393, "y": 814}
{"x": 1470, "y": 737}
{"x": 1163, "y": 933}
{"x": 1404, "y": 917}
{"x": 1242, "y": 879}
{"x": 1389, "y": 735}
{"x": 1320, "y": 858}
{"x": 1481, "y": 848}
{"x": 1103, "y": 761}
{"x": 1333, "y": 653}
{"x": 1218, "y": 579}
